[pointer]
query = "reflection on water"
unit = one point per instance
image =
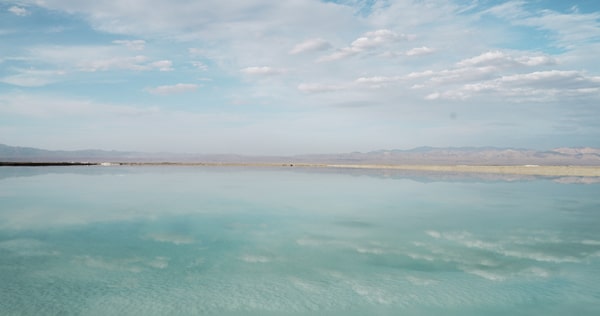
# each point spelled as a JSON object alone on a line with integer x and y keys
{"x": 233, "y": 241}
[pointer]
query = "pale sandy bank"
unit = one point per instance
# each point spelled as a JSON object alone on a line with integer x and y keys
{"x": 534, "y": 170}
{"x": 580, "y": 171}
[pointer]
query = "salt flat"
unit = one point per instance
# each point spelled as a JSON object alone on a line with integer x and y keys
{"x": 536, "y": 170}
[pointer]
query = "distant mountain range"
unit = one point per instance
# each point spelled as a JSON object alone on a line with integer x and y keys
{"x": 473, "y": 156}
{"x": 584, "y": 156}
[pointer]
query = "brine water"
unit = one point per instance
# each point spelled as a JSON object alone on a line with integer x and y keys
{"x": 276, "y": 241}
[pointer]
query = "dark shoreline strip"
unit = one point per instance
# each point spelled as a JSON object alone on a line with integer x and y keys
{"x": 45, "y": 164}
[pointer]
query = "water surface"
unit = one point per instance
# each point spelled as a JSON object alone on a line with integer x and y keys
{"x": 243, "y": 241}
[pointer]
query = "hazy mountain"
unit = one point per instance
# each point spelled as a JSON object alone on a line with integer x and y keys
{"x": 11, "y": 153}
{"x": 420, "y": 155}
{"x": 29, "y": 154}
{"x": 470, "y": 156}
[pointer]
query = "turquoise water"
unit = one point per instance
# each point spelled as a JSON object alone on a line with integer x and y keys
{"x": 235, "y": 241}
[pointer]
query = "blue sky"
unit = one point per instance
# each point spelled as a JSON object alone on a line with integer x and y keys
{"x": 299, "y": 76}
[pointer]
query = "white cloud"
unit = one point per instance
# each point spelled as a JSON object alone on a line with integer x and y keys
{"x": 487, "y": 58}
{"x": 378, "y": 81}
{"x": 173, "y": 89}
{"x": 20, "y": 11}
{"x": 376, "y": 38}
{"x": 311, "y": 45}
{"x": 419, "y": 51}
{"x": 553, "y": 79}
{"x": 537, "y": 60}
{"x": 369, "y": 41}
{"x": 123, "y": 63}
{"x": 420, "y": 74}
{"x": 433, "y": 96}
{"x": 339, "y": 54}
{"x": 501, "y": 59}
{"x": 132, "y": 44}
{"x": 475, "y": 74}
{"x": 162, "y": 65}
{"x": 33, "y": 78}
{"x": 200, "y": 65}
{"x": 535, "y": 86}
{"x": 262, "y": 71}
{"x": 458, "y": 75}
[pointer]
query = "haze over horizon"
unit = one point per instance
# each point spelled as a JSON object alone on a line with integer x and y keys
{"x": 298, "y": 77}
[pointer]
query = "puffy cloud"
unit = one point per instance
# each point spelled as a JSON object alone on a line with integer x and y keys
{"x": 536, "y": 60}
{"x": 485, "y": 58}
{"x": 377, "y": 38}
{"x": 533, "y": 86}
{"x": 262, "y": 71}
{"x": 475, "y": 73}
{"x": 173, "y": 89}
{"x": 311, "y": 45}
{"x": 162, "y": 65}
{"x": 456, "y": 75}
{"x": 369, "y": 41}
{"x": 20, "y": 11}
{"x": 378, "y": 81}
{"x": 512, "y": 76}
{"x": 339, "y": 54}
{"x": 420, "y": 74}
{"x": 500, "y": 59}
{"x": 200, "y": 65}
{"x": 553, "y": 79}
{"x": 433, "y": 96}
{"x": 418, "y": 51}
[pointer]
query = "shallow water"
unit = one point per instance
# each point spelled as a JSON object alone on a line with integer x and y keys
{"x": 240, "y": 241}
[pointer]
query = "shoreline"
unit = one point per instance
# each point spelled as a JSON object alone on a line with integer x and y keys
{"x": 533, "y": 170}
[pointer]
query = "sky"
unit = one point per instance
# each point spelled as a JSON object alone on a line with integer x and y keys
{"x": 263, "y": 77}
